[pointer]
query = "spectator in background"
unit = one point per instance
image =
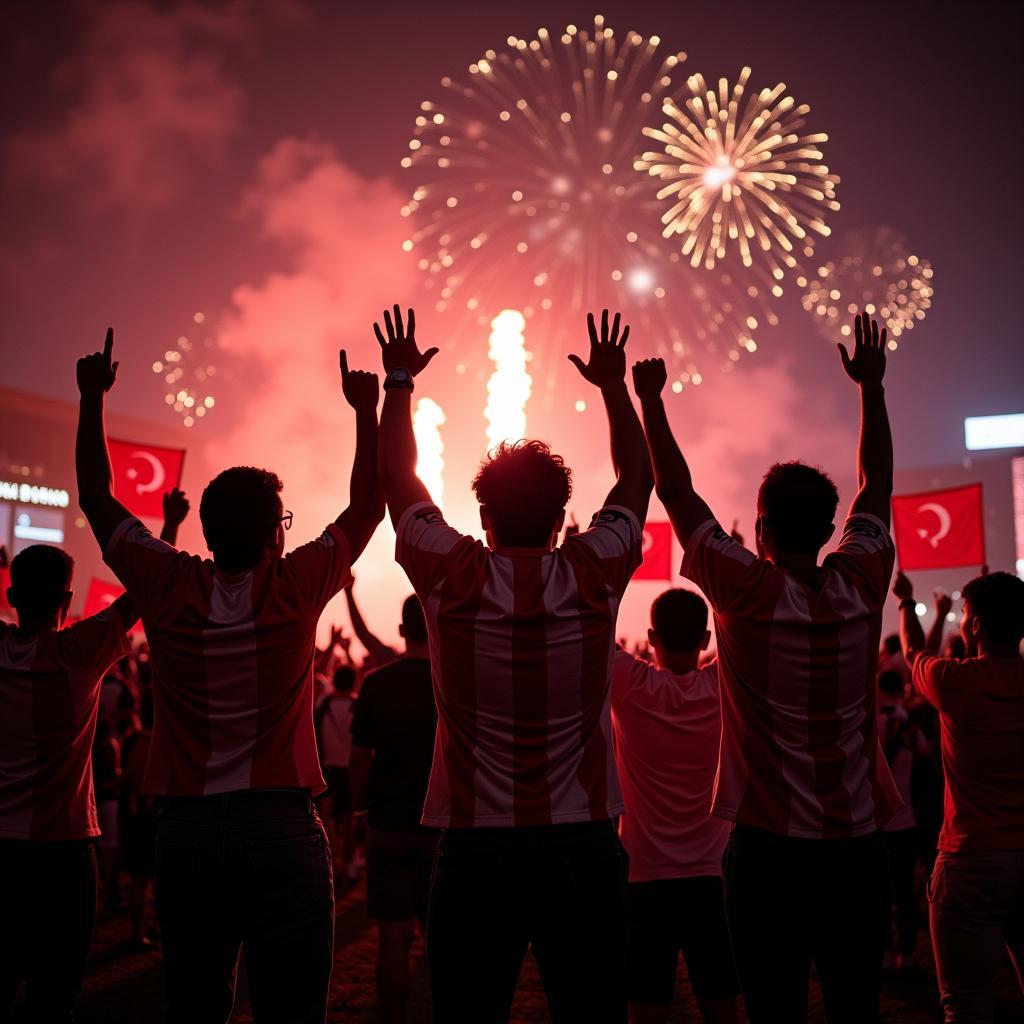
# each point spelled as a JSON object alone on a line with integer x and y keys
{"x": 976, "y": 893}
{"x": 377, "y": 652}
{"x": 137, "y": 823}
{"x": 49, "y": 702}
{"x": 333, "y": 720}
{"x": 902, "y": 744}
{"x": 106, "y": 772}
{"x": 393, "y": 731}
{"x": 801, "y": 772}
{"x": 890, "y": 658}
{"x": 668, "y": 723}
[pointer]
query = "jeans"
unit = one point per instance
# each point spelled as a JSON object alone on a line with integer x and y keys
{"x": 47, "y": 914}
{"x": 560, "y": 889}
{"x": 976, "y": 908}
{"x": 791, "y": 902}
{"x": 902, "y": 847}
{"x": 250, "y": 871}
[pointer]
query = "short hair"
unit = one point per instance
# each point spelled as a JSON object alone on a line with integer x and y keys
{"x": 679, "y": 618}
{"x": 524, "y": 488}
{"x": 41, "y": 578}
{"x": 799, "y": 503}
{"x": 998, "y": 601}
{"x": 414, "y": 624}
{"x": 240, "y": 510}
{"x": 891, "y": 644}
{"x": 891, "y": 681}
{"x": 344, "y": 678}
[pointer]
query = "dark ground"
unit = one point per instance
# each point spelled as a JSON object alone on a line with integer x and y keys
{"x": 128, "y": 989}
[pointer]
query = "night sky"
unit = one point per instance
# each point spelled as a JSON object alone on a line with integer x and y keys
{"x": 258, "y": 180}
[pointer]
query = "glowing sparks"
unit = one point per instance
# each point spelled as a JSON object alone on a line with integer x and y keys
{"x": 879, "y": 274}
{"x": 426, "y": 424}
{"x": 526, "y": 196}
{"x": 509, "y": 386}
{"x": 740, "y": 174}
{"x": 189, "y": 371}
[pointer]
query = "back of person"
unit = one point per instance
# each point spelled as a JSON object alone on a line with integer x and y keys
{"x": 334, "y": 736}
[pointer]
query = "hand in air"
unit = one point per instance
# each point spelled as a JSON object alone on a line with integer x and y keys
{"x": 607, "y": 362}
{"x": 943, "y": 604}
{"x": 649, "y": 377}
{"x": 866, "y": 366}
{"x": 902, "y": 588}
{"x": 360, "y": 387}
{"x": 399, "y": 349}
{"x": 176, "y": 507}
{"x": 96, "y": 373}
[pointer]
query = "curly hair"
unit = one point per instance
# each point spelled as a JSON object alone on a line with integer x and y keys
{"x": 240, "y": 510}
{"x": 524, "y": 488}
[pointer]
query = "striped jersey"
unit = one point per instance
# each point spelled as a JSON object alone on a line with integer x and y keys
{"x": 800, "y": 754}
{"x": 521, "y": 646}
{"x": 232, "y": 661}
{"x": 49, "y": 699}
{"x": 667, "y": 731}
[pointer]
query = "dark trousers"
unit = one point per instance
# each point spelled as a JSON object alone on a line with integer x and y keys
{"x": 791, "y": 902}
{"x": 902, "y": 847}
{"x": 47, "y": 914}
{"x": 560, "y": 889}
{"x": 249, "y": 871}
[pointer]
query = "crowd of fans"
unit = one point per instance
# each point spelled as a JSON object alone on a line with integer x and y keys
{"x": 511, "y": 777}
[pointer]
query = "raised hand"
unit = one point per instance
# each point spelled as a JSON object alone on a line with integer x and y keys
{"x": 943, "y": 604}
{"x": 360, "y": 387}
{"x": 399, "y": 349}
{"x": 176, "y": 507}
{"x": 902, "y": 588}
{"x": 607, "y": 362}
{"x": 649, "y": 377}
{"x": 866, "y": 366}
{"x": 96, "y": 373}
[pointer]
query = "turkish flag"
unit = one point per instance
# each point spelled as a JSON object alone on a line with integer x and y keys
{"x": 143, "y": 473}
{"x": 939, "y": 529}
{"x": 100, "y": 596}
{"x": 657, "y": 563}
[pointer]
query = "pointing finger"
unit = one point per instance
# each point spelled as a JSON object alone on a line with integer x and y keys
{"x": 343, "y": 363}
{"x": 108, "y": 345}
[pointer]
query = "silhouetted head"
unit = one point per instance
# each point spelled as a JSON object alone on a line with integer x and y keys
{"x": 679, "y": 624}
{"x": 796, "y": 510}
{"x": 523, "y": 489}
{"x": 344, "y": 679}
{"x": 993, "y": 614}
{"x": 241, "y": 514}
{"x": 414, "y": 626}
{"x": 891, "y": 683}
{"x": 41, "y": 583}
{"x": 891, "y": 644}
{"x": 955, "y": 647}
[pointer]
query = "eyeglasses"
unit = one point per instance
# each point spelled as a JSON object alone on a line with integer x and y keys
{"x": 286, "y": 520}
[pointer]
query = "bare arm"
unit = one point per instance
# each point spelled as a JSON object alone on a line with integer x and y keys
{"x": 606, "y": 369}
{"x": 672, "y": 481}
{"x": 943, "y": 606}
{"x": 366, "y": 497}
{"x": 96, "y": 376}
{"x": 176, "y": 507}
{"x": 911, "y": 634}
{"x": 398, "y": 455}
{"x": 866, "y": 368}
{"x": 377, "y": 649}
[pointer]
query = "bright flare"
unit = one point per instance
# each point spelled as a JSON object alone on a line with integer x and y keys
{"x": 426, "y": 425}
{"x": 188, "y": 370}
{"x": 509, "y": 386}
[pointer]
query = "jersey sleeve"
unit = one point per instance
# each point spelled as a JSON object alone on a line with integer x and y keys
{"x": 865, "y": 557}
{"x": 933, "y": 679}
{"x": 614, "y": 540}
{"x": 144, "y": 564}
{"x": 322, "y": 567}
{"x": 627, "y": 673}
{"x": 426, "y": 546}
{"x": 722, "y": 567}
{"x": 97, "y": 642}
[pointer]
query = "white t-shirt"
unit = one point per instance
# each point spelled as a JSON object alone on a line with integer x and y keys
{"x": 334, "y": 734}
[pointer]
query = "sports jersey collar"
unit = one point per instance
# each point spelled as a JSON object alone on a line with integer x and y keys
{"x": 522, "y": 552}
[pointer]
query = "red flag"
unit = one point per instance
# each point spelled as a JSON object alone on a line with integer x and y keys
{"x": 100, "y": 596}
{"x": 939, "y": 529}
{"x": 657, "y": 563}
{"x": 143, "y": 473}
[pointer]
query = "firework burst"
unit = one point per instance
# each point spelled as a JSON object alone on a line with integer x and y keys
{"x": 189, "y": 372}
{"x": 526, "y": 197}
{"x": 740, "y": 174}
{"x": 879, "y": 274}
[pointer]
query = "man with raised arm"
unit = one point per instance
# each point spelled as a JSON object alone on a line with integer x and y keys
{"x": 242, "y": 859}
{"x": 521, "y": 638}
{"x": 801, "y": 772}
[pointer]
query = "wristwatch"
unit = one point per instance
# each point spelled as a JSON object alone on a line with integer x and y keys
{"x": 399, "y": 377}
{"x": 906, "y": 602}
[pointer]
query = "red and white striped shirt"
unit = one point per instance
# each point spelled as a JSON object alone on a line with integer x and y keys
{"x": 49, "y": 698}
{"x": 800, "y": 753}
{"x": 667, "y": 732}
{"x": 232, "y": 661}
{"x": 521, "y": 646}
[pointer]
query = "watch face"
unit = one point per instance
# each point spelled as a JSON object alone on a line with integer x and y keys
{"x": 400, "y": 376}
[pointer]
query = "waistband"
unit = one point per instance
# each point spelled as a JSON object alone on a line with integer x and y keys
{"x": 244, "y": 803}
